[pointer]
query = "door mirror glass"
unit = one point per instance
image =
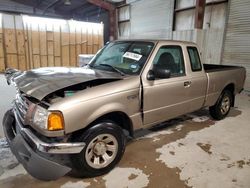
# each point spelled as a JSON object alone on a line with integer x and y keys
{"x": 161, "y": 72}
{"x": 158, "y": 73}
{"x": 151, "y": 75}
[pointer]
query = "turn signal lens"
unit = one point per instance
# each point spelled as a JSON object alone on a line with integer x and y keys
{"x": 55, "y": 121}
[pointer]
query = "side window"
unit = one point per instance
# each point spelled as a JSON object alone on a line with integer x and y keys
{"x": 171, "y": 58}
{"x": 194, "y": 59}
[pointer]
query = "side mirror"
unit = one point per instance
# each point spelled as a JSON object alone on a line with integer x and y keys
{"x": 151, "y": 75}
{"x": 158, "y": 73}
{"x": 162, "y": 73}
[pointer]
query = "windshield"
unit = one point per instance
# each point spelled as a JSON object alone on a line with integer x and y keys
{"x": 124, "y": 57}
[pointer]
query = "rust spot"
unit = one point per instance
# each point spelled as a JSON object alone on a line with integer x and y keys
{"x": 225, "y": 158}
{"x": 205, "y": 147}
{"x": 180, "y": 144}
{"x": 248, "y": 162}
{"x": 234, "y": 180}
{"x": 230, "y": 165}
{"x": 172, "y": 152}
{"x": 241, "y": 163}
{"x": 132, "y": 176}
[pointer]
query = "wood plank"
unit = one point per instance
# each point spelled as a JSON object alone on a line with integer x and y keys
{"x": 84, "y": 41}
{"x": 50, "y": 48}
{"x": 1, "y": 46}
{"x": 29, "y": 32}
{"x": 10, "y": 41}
{"x": 36, "y": 59}
{"x": 95, "y": 38}
{"x": 78, "y": 45}
{"x": 72, "y": 55}
{"x": 12, "y": 61}
{"x": 65, "y": 48}
{"x": 43, "y": 43}
{"x": 101, "y": 39}
{"x": 20, "y": 42}
{"x": 22, "y": 62}
{"x": 2, "y": 64}
{"x": 95, "y": 48}
{"x": 51, "y": 61}
{"x": 35, "y": 43}
{"x": 44, "y": 61}
{"x": 90, "y": 41}
{"x": 65, "y": 56}
{"x": 26, "y": 44}
{"x": 72, "y": 48}
{"x": 57, "y": 61}
{"x": 50, "y": 35}
{"x": 57, "y": 43}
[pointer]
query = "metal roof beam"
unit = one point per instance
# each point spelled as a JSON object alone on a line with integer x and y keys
{"x": 102, "y": 4}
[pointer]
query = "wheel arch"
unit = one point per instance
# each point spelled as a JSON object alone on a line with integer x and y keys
{"x": 118, "y": 117}
{"x": 230, "y": 87}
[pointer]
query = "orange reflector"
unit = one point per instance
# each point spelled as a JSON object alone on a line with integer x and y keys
{"x": 55, "y": 121}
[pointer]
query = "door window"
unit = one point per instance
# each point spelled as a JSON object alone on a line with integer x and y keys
{"x": 194, "y": 59}
{"x": 170, "y": 58}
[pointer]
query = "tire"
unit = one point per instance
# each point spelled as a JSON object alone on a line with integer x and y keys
{"x": 222, "y": 107}
{"x": 105, "y": 145}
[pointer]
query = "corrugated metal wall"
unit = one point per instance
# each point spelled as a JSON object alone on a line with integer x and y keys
{"x": 210, "y": 38}
{"x": 237, "y": 38}
{"x": 151, "y": 19}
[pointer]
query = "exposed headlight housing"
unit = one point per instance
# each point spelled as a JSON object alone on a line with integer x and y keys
{"x": 40, "y": 117}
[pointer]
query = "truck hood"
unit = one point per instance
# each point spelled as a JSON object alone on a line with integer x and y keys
{"x": 39, "y": 83}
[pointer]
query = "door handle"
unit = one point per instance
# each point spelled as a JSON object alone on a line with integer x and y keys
{"x": 187, "y": 84}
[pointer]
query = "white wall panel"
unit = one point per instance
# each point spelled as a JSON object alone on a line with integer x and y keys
{"x": 237, "y": 39}
{"x": 151, "y": 19}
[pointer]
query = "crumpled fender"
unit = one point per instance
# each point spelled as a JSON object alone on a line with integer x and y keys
{"x": 10, "y": 74}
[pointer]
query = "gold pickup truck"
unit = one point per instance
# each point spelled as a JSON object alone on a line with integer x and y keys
{"x": 78, "y": 119}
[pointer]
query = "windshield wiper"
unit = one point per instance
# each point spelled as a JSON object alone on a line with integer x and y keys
{"x": 114, "y": 68}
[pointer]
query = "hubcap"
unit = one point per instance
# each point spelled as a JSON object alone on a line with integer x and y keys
{"x": 225, "y": 105}
{"x": 101, "y": 151}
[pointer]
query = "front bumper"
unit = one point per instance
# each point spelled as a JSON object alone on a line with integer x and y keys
{"x": 27, "y": 148}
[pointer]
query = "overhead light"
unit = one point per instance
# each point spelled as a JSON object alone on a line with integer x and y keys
{"x": 67, "y": 2}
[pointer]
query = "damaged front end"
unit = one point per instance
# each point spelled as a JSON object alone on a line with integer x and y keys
{"x": 10, "y": 74}
{"x": 35, "y": 134}
{"x": 28, "y": 149}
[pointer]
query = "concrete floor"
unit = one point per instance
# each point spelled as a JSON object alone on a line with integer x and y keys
{"x": 190, "y": 151}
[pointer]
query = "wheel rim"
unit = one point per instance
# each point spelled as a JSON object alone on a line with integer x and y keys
{"x": 101, "y": 151}
{"x": 225, "y": 105}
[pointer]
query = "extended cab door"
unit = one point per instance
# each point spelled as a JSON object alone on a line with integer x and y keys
{"x": 166, "y": 98}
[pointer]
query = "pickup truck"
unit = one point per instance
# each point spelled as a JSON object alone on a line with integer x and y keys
{"x": 78, "y": 119}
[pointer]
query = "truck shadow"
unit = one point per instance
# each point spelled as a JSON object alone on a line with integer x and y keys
{"x": 198, "y": 117}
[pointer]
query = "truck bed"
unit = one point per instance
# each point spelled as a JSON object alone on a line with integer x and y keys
{"x": 215, "y": 68}
{"x": 220, "y": 76}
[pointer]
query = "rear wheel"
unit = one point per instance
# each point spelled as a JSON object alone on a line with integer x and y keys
{"x": 105, "y": 145}
{"x": 222, "y": 106}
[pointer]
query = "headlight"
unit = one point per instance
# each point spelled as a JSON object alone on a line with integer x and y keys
{"x": 40, "y": 117}
{"x": 52, "y": 121}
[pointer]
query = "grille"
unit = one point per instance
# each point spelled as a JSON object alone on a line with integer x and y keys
{"x": 21, "y": 106}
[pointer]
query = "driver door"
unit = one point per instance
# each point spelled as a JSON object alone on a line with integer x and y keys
{"x": 166, "y": 98}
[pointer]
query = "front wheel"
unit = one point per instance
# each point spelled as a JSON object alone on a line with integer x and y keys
{"x": 222, "y": 106}
{"x": 105, "y": 145}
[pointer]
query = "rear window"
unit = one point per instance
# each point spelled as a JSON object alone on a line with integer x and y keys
{"x": 194, "y": 59}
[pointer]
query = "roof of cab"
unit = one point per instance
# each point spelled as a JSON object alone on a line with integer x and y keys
{"x": 159, "y": 40}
